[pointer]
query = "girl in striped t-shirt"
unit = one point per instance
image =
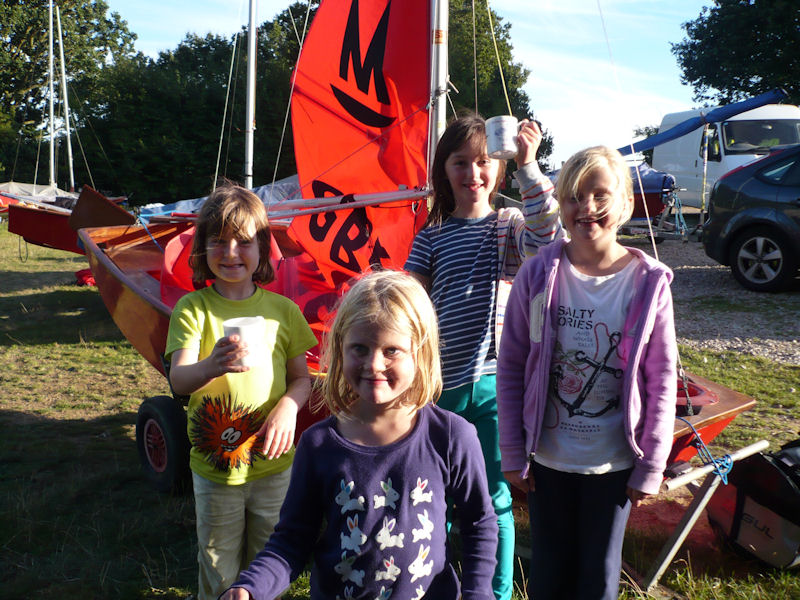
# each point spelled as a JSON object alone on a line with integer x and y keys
{"x": 465, "y": 257}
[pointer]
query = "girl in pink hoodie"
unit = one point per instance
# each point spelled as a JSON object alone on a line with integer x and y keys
{"x": 586, "y": 383}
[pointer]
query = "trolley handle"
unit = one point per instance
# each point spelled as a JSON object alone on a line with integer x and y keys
{"x": 698, "y": 472}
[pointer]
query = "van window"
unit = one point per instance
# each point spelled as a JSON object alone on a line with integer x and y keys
{"x": 713, "y": 144}
{"x": 758, "y": 136}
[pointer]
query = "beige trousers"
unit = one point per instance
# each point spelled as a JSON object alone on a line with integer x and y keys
{"x": 233, "y": 524}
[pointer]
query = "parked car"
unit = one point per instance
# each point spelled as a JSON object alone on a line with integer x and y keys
{"x": 754, "y": 221}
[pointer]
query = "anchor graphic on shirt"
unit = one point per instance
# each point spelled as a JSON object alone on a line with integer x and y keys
{"x": 574, "y": 408}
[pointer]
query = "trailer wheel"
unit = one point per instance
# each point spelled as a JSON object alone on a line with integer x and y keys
{"x": 163, "y": 443}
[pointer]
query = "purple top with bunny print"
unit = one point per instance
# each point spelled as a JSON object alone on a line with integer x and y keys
{"x": 373, "y": 519}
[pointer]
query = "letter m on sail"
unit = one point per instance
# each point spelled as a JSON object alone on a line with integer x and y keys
{"x": 364, "y": 72}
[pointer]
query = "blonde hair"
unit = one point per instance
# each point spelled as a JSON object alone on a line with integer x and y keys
{"x": 231, "y": 211}
{"x": 584, "y": 162}
{"x": 396, "y": 301}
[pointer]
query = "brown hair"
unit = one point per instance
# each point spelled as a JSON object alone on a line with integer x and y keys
{"x": 393, "y": 300}
{"x": 231, "y": 212}
{"x": 466, "y": 129}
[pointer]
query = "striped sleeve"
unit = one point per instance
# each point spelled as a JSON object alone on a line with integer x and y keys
{"x": 420, "y": 259}
{"x": 541, "y": 223}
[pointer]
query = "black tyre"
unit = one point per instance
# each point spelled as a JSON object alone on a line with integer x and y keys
{"x": 163, "y": 443}
{"x": 761, "y": 260}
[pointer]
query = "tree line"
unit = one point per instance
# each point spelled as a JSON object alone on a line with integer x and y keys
{"x": 150, "y": 128}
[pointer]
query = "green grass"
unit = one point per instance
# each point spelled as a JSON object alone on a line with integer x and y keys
{"x": 81, "y": 522}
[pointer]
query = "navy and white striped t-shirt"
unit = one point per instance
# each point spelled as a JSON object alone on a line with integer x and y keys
{"x": 462, "y": 253}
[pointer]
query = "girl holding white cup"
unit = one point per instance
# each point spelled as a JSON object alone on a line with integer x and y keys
{"x": 465, "y": 257}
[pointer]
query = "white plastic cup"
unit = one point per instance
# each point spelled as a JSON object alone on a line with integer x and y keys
{"x": 251, "y": 331}
{"x": 501, "y": 134}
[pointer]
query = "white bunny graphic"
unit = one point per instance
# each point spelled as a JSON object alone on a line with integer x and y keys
{"x": 427, "y": 528}
{"x": 385, "y": 538}
{"x": 345, "y": 569}
{"x": 348, "y": 594}
{"x": 418, "y": 494}
{"x": 418, "y": 568}
{"x": 391, "y": 572}
{"x": 344, "y": 500}
{"x": 356, "y": 537}
{"x": 390, "y": 497}
{"x": 384, "y": 594}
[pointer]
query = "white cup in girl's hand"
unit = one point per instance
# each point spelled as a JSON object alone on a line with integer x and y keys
{"x": 251, "y": 331}
{"x": 501, "y": 137}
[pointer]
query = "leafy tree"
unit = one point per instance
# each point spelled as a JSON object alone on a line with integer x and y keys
{"x": 741, "y": 48}
{"x": 92, "y": 41}
{"x": 646, "y": 132}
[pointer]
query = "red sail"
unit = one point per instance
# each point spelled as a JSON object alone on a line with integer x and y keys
{"x": 360, "y": 126}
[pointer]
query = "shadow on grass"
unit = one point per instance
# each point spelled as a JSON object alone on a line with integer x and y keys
{"x": 63, "y": 316}
{"x": 80, "y": 521}
{"x": 18, "y": 281}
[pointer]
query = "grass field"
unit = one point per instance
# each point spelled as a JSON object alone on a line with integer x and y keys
{"x": 81, "y": 522}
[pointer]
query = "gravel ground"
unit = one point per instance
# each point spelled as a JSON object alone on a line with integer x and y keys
{"x": 712, "y": 311}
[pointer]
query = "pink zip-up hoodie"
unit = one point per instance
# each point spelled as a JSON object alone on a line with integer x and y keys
{"x": 649, "y": 388}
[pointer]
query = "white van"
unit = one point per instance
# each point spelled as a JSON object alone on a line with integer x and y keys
{"x": 731, "y": 144}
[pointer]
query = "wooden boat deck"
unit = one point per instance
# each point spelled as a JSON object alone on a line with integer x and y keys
{"x": 711, "y": 419}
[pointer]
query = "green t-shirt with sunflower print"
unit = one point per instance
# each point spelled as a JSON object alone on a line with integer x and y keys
{"x": 225, "y": 415}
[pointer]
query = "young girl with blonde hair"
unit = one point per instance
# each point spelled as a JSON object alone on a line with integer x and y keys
{"x": 587, "y": 383}
{"x": 367, "y": 498}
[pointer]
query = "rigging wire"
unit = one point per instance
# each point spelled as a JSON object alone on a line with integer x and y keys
{"x": 497, "y": 55}
{"x": 38, "y": 154}
{"x": 300, "y": 41}
{"x": 475, "y": 55}
{"x": 83, "y": 155}
{"x": 230, "y": 122}
{"x": 99, "y": 145}
{"x": 225, "y": 110}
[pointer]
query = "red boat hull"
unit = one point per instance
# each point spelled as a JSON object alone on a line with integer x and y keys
{"x": 54, "y": 227}
{"x": 43, "y": 227}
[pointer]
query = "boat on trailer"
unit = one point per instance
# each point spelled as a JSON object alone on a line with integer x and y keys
{"x": 387, "y": 112}
{"x": 131, "y": 267}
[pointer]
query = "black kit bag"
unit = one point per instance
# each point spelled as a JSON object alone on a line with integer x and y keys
{"x": 759, "y": 510}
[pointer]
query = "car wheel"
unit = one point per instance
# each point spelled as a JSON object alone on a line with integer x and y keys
{"x": 761, "y": 260}
{"x": 163, "y": 443}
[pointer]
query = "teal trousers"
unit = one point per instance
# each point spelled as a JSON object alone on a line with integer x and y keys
{"x": 477, "y": 403}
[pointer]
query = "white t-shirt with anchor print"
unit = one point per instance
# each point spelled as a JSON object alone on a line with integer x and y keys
{"x": 583, "y": 424}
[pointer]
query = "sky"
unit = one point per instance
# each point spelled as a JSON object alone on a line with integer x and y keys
{"x": 598, "y": 68}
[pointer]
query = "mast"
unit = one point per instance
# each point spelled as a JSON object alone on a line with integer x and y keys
{"x": 52, "y": 115}
{"x": 66, "y": 102}
{"x": 439, "y": 76}
{"x": 250, "y": 125}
